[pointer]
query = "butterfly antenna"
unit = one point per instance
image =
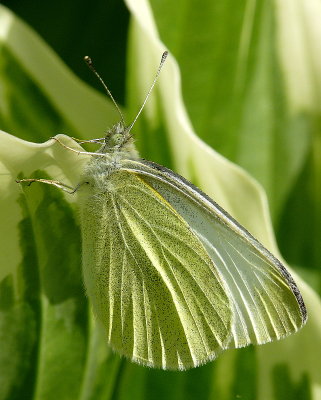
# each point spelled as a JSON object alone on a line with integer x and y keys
{"x": 164, "y": 56}
{"x": 89, "y": 63}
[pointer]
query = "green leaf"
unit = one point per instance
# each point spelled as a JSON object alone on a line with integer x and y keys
{"x": 251, "y": 85}
{"x": 40, "y": 97}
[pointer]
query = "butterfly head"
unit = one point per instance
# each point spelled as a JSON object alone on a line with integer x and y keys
{"x": 118, "y": 139}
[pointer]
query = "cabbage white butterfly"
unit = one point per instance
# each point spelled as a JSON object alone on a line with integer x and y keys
{"x": 172, "y": 277}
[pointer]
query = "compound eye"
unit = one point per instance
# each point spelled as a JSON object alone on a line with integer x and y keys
{"x": 116, "y": 139}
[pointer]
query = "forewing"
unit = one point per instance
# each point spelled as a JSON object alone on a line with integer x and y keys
{"x": 266, "y": 303}
{"x": 150, "y": 279}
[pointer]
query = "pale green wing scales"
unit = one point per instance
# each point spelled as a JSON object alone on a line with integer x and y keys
{"x": 152, "y": 283}
{"x": 265, "y": 302}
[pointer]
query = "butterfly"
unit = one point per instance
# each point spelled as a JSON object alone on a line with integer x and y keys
{"x": 172, "y": 277}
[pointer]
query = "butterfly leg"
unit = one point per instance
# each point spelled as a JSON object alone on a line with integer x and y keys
{"x": 77, "y": 151}
{"x": 99, "y": 140}
{"x": 60, "y": 185}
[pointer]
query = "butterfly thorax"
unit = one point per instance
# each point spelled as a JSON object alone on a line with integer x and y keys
{"x": 118, "y": 145}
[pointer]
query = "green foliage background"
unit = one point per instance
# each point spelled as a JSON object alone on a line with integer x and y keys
{"x": 246, "y": 78}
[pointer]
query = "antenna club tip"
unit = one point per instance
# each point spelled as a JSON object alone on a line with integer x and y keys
{"x": 87, "y": 60}
{"x": 164, "y": 55}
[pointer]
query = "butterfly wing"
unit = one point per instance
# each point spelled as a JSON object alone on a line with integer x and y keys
{"x": 265, "y": 301}
{"x": 151, "y": 281}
